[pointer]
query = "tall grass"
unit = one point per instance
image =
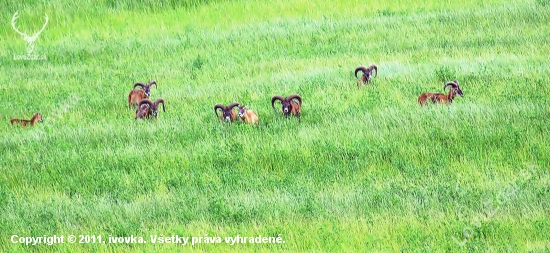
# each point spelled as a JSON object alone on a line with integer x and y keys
{"x": 362, "y": 170}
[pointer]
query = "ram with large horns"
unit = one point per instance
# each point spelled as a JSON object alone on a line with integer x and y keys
{"x": 367, "y": 74}
{"x": 440, "y": 97}
{"x": 147, "y": 108}
{"x": 228, "y": 114}
{"x": 289, "y": 104}
{"x": 136, "y": 96}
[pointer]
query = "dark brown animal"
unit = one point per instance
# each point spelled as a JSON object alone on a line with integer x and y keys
{"x": 228, "y": 114}
{"x": 367, "y": 74}
{"x": 289, "y": 105}
{"x": 37, "y": 117}
{"x": 143, "y": 111}
{"x": 147, "y": 108}
{"x": 136, "y": 96}
{"x": 440, "y": 97}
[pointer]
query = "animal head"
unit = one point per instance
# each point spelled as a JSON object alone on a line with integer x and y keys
{"x": 146, "y": 87}
{"x": 38, "y": 117}
{"x": 286, "y": 102}
{"x": 455, "y": 86}
{"x": 226, "y": 110}
{"x": 242, "y": 110}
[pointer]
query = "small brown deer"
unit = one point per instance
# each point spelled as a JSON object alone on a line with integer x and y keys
{"x": 249, "y": 116}
{"x": 37, "y": 117}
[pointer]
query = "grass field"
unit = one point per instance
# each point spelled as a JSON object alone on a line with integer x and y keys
{"x": 364, "y": 170}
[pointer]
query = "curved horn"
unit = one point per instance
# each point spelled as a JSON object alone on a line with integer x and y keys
{"x": 44, "y": 26}
{"x": 232, "y": 105}
{"x": 457, "y": 84}
{"x": 375, "y": 68}
{"x": 142, "y": 85}
{"x": 145, "y": 101}
{"x": 450, "y": 84}
{"x": 158, "y": 101}
{"x": 276, "y": 97}
{"x": 218, "y": 106}
{"x": 294, "y": 96}
{"x": 151, "y": 84}
{"x": 13, "y": 24}
{"x": 360, "y": 68}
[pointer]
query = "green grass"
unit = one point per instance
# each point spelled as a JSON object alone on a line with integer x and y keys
{"x": 363, "y": 170}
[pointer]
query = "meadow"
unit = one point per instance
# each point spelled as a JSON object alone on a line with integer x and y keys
{"x": 363, "y": 170}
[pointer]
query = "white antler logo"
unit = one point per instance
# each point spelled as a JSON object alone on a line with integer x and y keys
{"x": 29, "y": 39}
